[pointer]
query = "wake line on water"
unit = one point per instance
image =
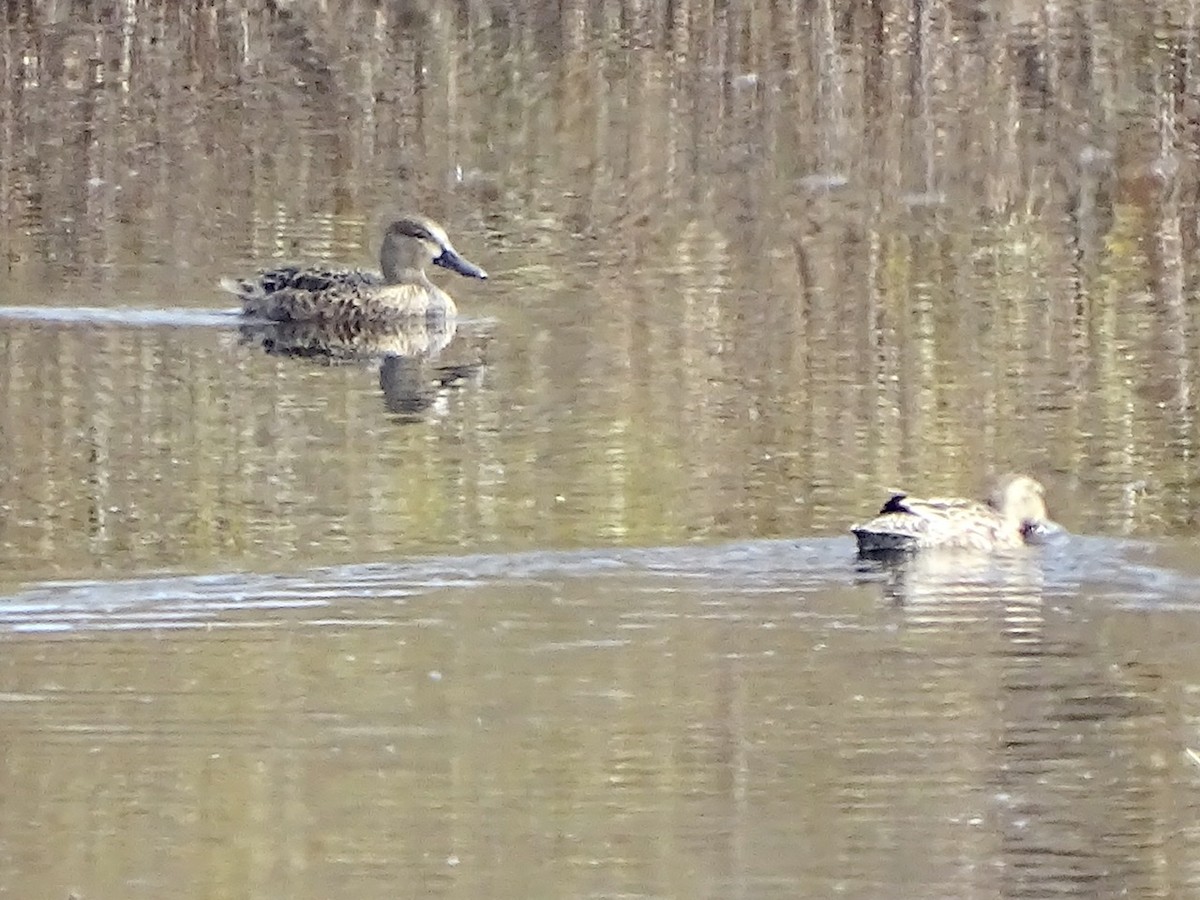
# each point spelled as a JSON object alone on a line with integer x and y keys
{"x": 1123, "y": 572}
{"x": 136, "y": 318}
{"x": 160, "y": 318}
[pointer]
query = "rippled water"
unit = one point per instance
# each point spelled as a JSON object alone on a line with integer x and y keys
{"x": 761, "y": 718}
{"x": 559, "y": 601}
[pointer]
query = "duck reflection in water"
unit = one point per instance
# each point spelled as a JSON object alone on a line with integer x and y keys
{"x": 359, "y": 297}
{"x": 419, "y": 359}
{"x": 1012, "y": 516}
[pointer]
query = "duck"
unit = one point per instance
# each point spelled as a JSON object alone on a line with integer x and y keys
{"x": 358, "y": 297}
{"x": 1012, "y": 516}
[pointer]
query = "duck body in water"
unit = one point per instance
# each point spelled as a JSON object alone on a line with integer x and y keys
{"x": 400, "y": 290}
{"x": 1012, "y": 516}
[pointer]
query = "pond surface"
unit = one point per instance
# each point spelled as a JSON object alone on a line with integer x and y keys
{"x": 559, "y": 601}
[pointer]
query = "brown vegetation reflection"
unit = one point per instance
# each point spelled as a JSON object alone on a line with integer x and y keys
{"x": 756, "y": 263}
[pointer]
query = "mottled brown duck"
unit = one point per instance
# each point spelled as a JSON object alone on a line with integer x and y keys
{"x": 1013, "y": 515}
{"x": 344, "y": 296}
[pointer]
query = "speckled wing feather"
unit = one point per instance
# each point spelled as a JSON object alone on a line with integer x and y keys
{"x": 355, "y": 304}
{"x": 349, "y": 302}
{"x": 298, "y": 278}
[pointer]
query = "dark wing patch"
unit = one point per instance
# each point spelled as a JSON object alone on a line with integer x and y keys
{"x": 296, "y": 278}
{"x": 338, "y": 303}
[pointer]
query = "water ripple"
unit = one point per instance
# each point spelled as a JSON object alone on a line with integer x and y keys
{"x": 934, "y": 591}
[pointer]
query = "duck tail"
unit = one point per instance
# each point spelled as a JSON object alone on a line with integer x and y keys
{"x": 243, "y": 288}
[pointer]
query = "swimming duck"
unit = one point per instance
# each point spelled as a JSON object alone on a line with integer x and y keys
{"x": 1012, "y": 516}
{"x": 399, "y": 290}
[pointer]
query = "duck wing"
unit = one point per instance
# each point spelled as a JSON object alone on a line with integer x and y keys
{"x": 348, "y": 302}
{"x": 909, "y": 523}
{"x": 304, "y": 279}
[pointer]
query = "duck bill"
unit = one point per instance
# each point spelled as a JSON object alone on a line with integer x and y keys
{"x": 455, "y": 263}
{"x": 1041, "y": 531}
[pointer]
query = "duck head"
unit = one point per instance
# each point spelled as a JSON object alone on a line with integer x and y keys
{"x": 412, "y": 242}
{"x": 1022, "y": 500}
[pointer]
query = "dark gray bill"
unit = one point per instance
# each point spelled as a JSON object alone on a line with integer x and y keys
{"x": 1042, "y": 531}
{"x": 455, "y": 263}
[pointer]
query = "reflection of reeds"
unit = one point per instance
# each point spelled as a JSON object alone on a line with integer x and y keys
{"x": 786, "y": 251}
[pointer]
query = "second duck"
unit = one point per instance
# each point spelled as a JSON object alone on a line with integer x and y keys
{"x": 400, "y": 290}
{"x": 1012, "y": 516}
